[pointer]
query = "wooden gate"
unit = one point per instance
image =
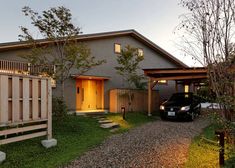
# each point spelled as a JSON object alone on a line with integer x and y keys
{"x": 25, "y": 107}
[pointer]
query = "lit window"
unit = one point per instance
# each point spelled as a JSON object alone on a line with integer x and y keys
{"x": 162, "y": 82}
{"x": 186, "y": 88}
{"x": 140, "y": 52}
{"x": 117, "y": 48}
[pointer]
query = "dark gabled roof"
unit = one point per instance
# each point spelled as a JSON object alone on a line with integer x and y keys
{"x": 87, "y": 37}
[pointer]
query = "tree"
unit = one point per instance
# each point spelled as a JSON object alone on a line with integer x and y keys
{"x": 128, "y": 67}
{"x": 128, "y": 61}
{"x": 62, "y": 49}
{"x": 208, "y": 37}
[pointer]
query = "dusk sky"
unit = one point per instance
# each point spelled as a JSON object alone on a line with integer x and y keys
{"x": 155, "y": 19}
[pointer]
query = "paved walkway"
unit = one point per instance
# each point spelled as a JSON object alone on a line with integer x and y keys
{"x": 160, "y": 144}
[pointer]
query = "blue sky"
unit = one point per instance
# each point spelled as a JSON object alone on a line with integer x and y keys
{"x": 155, "y": 19}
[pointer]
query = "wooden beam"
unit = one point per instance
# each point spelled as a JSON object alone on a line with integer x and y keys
{"x": 153, "y": 83}
{"x": 181, "y": 77}
{"x": 21, "y": 122}
{"x": 149, "y": 97}
{"x": 175, "y": 71}
{"x": 22, "y": 129}
{"x": 23, "y": 137}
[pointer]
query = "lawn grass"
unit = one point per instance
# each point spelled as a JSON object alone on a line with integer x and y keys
{"x": 203, "y": 153}
{"x": 133, "y": 119}
{"x": 75, "y": 135}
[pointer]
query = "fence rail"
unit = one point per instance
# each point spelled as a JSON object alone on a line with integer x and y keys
{"x": 25, "y": 107}
{"x": 16, "y": 67}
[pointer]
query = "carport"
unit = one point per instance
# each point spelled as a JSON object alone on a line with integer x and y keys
{"x": 189, "y": 76}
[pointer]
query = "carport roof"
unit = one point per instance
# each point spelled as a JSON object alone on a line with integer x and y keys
{"x": 177, "y": 73}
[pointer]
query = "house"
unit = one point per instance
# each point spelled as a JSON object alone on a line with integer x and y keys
{"x": 91, "y": 90}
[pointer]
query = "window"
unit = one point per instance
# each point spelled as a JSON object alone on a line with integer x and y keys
{"x": 186, "y": 88}
{"x": 140, "y": 52}
{"x": 117, "y": 48}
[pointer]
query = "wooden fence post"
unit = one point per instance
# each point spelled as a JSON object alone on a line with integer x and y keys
{"x": 49, "y": 111}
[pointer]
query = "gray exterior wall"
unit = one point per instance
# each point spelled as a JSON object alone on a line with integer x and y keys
{"x": 104, "y": 49}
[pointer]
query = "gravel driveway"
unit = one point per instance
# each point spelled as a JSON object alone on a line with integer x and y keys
{"x": 158, "y": 144}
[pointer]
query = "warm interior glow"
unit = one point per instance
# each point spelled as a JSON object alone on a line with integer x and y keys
{"x": 90, "y": 95}
{"x": 162, "y": 81}
{"x": 14, "y": 72}
{"x": 53, "y": 82}
{"x": 186, "y": 88}
{"x": 117, "y": 48}
{"x": 140, "y": 52}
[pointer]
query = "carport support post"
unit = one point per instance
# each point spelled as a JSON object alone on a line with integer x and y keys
{"x": 149, "y": 96}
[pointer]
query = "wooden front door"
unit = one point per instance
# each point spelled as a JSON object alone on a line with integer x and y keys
{"x": 89, "y": 94}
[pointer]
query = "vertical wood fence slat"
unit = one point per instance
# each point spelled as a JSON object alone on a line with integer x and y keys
{"x": 49, "y": 111}
{"x": 43, "y": 99}
{"x": 119, "y": 98}
{"x": 25, "y": 99}
{"x": 15, "y": 99}
{"x": 3, "y": 99}
{"x": 35, "y": 99}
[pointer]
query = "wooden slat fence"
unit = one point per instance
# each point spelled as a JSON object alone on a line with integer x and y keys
{"x": 25, "y": 107}
{"x": 119, "y": 98}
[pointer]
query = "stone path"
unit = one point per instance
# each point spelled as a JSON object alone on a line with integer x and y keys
{"x": 107, "y": 124}
{"x": 162, "y": 144}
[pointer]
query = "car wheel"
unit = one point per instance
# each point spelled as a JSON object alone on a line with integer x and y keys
{"x": 163, "y": 117}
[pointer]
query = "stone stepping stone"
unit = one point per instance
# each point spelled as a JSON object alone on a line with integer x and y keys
{"x": 105, "y": 121}
{"x": 98, "y": 117}
{"x": 109, "y": 125}
{"x": 101, "y": 119}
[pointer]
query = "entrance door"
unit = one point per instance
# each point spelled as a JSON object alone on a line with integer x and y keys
{"x": 89, "y": 94}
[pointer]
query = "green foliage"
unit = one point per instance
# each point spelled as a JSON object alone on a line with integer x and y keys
{"x": 220, "y": 121}
{"x": 206, "y": 94}
{"x": 54, "y": 23}
{"x": 128, "y": 61}
{"x": 59, "y": 108}
{"x": 62, "y": 49}
{"x": 133, "y": 119}
{"x": 205, "y": 154}
{"x": 75, "y": 136}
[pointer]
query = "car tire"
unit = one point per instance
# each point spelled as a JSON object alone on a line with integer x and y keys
{"x": 162, "y": 116}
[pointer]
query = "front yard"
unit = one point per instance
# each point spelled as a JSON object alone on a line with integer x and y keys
{"x": 75, "y": 135}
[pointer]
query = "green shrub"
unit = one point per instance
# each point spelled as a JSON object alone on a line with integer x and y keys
{"x": 59, "y": 108}
{"x": 206, "y": 94}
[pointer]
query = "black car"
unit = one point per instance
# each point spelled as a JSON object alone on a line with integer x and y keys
{"x": 181, "y": 105}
